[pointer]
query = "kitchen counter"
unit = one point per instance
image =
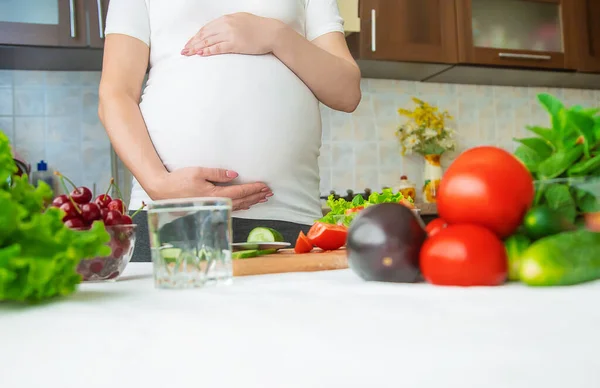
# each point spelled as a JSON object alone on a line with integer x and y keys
{"x": 323, "y": 329}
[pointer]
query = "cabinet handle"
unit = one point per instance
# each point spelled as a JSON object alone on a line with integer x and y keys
{"x": 525, "y": 56}
{"x": 100, "y": 19}
{"x": 72, "y": 17}
{"x": 373, "y": 30}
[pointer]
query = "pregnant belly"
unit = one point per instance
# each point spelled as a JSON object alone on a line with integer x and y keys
{"x": 250, "y": 114}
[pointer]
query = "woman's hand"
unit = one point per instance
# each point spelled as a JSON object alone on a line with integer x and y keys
{"x": 238, "y": 33}
{"x": 193, "y": 182}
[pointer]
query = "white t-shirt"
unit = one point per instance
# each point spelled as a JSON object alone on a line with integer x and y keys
{"x": 249, "y": 114}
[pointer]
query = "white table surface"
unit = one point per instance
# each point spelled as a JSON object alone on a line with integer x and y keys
{"x": 326, "y": 329}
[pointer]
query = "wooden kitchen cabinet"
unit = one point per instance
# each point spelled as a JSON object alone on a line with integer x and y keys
{"x": 43, "y": 23}
{"x": 588, "y": 35}
{"x": 97, "y": 10}
{"x": 517, "y": 33}
{"x": 408, "y": 30}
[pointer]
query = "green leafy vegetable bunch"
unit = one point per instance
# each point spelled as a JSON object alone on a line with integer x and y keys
{"x": 38, "y": 253}
{"x": 339, "y": 208}
{"x": 565, "y": 158}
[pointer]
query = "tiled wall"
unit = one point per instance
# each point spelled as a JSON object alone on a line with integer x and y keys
{"x": 53, "y": 116}
{"x": 360, "y": 149}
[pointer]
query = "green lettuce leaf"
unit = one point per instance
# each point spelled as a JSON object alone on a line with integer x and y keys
{"x": 38, "y": 253}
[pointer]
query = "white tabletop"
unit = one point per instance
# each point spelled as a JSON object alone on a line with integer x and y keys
{"x": 326, "y": 329}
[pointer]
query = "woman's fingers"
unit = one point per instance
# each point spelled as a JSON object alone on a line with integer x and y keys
{"x": 216, "y": 49}
{"x": 198, "y": 43}
{"x": 251, "y": 200}
{"x": 207, "y": 32}
{"x": 236, "y": 192}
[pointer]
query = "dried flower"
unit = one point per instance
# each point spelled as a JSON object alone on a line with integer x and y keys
{"x": 426, "y": 132}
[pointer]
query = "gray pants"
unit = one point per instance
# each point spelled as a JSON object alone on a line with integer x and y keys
{"x": 241, "y": 228}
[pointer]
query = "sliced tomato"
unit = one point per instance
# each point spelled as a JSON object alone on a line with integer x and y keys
{"x": 354, "y": 210}
{"x": 303, "y": 244}
{"x": 406, "y": 203}
{"x": 328, "y": 237}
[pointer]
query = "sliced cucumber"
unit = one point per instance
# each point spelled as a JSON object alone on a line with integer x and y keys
{"x": 249, "y": 253}
{"x": 262, "y": 234}
{"x": 244, "y": 254}
{"x": 267, "y": 252}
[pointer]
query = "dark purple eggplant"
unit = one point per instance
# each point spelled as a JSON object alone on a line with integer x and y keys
{"x": 384, "y": 242}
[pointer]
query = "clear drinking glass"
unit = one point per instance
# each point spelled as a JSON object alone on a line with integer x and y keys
{"x": 191, "y": 242}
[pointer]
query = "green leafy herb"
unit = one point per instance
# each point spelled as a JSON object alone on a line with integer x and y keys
{"x": 569, "y": 149}
{"x": 38, "y": 253}
{"x": 559, "y": 162}
{"x": 585, "y": 167}
{"x": 559, "y": 198}
{"x": 584, "y": 125}
{"x": 555, "y": 108}
{"x": 545, "y": 133}
{"x": 542, "y": 148}
{"x": 529, "y": 157}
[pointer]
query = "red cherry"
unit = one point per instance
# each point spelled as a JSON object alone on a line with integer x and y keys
{"x": 96, "y": 266}
{"x": 103, "y": 212}
{"x": 74, "y": 223}
{"x": 70, "y": 210}
{"x": 103, "y": 200}
{"x": 113, "y": 275}
{"x": 126, "y": 220}
{"x": 116, "y": 204}
{"x": 112, "y": 217}
{"x": 81, "y": 195}
{"x": 90, "y": 212}
{"x": 125, "y": 245}
{"x": 60, "y": 200}
{"x": 118, "y": 252}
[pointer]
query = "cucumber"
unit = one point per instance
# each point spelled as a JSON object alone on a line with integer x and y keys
{"x": 266, "y": 252}
{"x": 563, "y": 259}
{"x": 541, "y": 221}
{"x": 249, "y": 253}
{"x": 245, "y": 254}
{"x": 262, "y": 234}
{"x": 515, "y": 246}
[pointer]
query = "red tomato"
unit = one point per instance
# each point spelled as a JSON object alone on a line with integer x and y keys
{"x": 435, "y": 226}
{"x": 486, "y": 186}
{"x": 328, "y": 237}
{"x": 464, "y": 255}
{"x": 303, "y": 244}
{"x": 354, "y": 209}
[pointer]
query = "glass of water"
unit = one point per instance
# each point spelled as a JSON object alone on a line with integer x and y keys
{"x": 190, "y": 240}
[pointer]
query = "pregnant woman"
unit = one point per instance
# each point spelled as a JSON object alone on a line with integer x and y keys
{"x": 231, "y": 104}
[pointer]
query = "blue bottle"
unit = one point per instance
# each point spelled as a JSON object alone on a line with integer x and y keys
{"x": 42, "y": 174}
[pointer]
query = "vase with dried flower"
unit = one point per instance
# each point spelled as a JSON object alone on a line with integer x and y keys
{"x": 426, "y": 133}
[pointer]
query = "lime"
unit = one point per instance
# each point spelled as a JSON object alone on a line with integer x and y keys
{"x": 542, "y": 221}
{"x": 170, "y": 255}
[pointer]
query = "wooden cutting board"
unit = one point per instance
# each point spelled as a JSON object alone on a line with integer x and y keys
{"x": 288, "y": 261}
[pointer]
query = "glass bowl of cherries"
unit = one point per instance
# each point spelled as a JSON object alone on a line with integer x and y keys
{"x": 81, "y": 210}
